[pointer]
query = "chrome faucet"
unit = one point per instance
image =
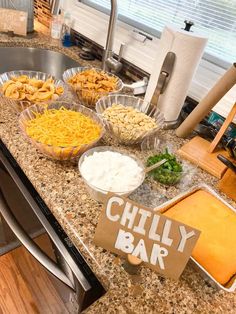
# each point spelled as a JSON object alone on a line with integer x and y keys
{"x": 109, "y": 63}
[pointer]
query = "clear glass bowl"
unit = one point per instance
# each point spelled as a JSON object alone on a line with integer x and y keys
{"x": 153, "y": 145}
{"x": 20, "y": 105}
{"x": 128, "y": 101}
{"x": 89, "y": 97}
{"x": 59, "y": 152}
{"x": 99, "y": 194}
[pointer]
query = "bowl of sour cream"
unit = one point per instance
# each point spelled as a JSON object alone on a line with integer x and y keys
{"x": 106, "y": 169}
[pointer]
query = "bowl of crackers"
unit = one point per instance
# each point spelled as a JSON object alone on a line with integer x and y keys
{"x": 90, "y": 84}
{"x": 126, "y": 119}
{"x": 21, "y": 89}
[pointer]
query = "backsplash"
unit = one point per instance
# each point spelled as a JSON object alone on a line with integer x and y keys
{"x": 42, "y": 11}
{"x": 128, "y": 69}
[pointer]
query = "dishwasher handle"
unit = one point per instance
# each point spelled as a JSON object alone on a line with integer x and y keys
{"x": 30, "y": 245}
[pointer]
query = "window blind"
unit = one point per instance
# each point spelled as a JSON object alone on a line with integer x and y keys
{"x": 215, "y": 19}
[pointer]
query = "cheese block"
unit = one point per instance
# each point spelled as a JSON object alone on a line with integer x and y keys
{"x": 216, "y": 247}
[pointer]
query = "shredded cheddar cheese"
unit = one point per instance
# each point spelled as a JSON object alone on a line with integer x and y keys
{"x": 63, "y": 127}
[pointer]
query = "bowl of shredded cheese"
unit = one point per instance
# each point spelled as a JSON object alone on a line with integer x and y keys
{"x": 61, "y": 130}
{"x": 126, "y": 119}
{"x": 21, "y": 89}
{"x": 90, "y": 84}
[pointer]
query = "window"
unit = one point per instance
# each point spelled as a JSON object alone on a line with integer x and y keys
{"x": 215, "y": 19}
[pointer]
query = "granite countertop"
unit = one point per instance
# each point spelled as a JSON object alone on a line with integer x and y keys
{"x": 62, "y": 189}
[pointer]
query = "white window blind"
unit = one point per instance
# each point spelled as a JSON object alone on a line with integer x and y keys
{"x": 215, "y": 19}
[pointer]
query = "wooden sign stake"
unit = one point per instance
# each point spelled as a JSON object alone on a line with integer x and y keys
{"x": 134, "y": 260}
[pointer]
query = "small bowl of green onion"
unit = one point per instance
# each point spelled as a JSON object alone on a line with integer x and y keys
{"x": 174, "y": 170}
{"x": 170, "y": 173}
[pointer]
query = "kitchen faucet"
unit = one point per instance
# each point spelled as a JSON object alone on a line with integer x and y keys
{"x": 109, "y": 63}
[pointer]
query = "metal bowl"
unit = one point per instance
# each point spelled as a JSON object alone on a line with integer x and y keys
{"x": 20, "y": 105}
{"x": 59, "y": 152}
{"x": 129, "y": 101}
{"x": 89, "y": 97}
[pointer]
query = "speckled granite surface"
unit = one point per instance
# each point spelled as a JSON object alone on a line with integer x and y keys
{"x": 61, "y": 186}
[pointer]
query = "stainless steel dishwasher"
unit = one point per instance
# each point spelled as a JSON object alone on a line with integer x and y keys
{"x": 24, "y": 215}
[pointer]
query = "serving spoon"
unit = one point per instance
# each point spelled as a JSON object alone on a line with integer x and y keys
{"x": 152, "y": 167}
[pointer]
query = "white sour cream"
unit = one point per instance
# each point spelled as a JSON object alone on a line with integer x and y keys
{"x": 111, "y": 171}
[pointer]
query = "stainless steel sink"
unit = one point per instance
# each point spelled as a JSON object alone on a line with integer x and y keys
{"x": 35, "y": 59}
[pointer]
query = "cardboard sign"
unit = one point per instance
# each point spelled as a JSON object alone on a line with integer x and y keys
{"x": 163, "y": 244}
{"x": 13, "y": 20}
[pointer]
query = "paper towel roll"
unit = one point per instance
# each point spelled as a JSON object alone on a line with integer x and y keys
{"x": 188, "y": 48}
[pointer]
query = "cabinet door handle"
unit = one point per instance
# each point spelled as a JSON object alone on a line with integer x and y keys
{"x": 30, "y": 245}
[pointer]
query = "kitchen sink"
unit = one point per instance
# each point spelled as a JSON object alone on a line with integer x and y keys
{"x": 35, "y": 59}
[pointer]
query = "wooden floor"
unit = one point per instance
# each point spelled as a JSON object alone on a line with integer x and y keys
{"x": 25, "y": 287}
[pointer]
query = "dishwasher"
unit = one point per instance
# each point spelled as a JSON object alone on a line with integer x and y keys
{"x": 23, "y": 216}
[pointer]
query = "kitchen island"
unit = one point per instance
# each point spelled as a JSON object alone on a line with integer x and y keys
{"x": 63, "y": 190}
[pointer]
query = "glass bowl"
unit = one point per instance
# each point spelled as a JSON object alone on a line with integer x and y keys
{"x": 97, "y": 193}
{"x": 59, "y": 152}
{"x": 153, "y": 145}
{"x": 128, "y": 101}
{"x": 20, "y": 105}
{"x": 89, "y": 97}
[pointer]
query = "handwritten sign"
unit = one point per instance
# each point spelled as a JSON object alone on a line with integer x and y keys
{"x": 163, "y": 244}
{"x": 13, "y": 20}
